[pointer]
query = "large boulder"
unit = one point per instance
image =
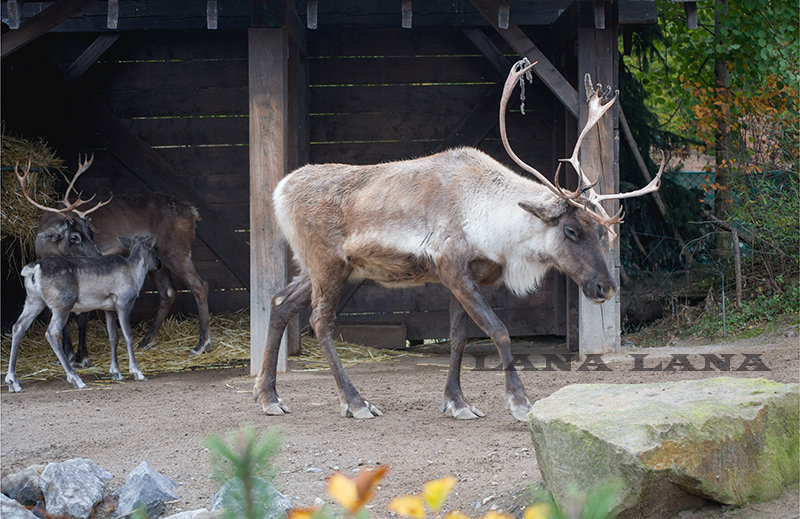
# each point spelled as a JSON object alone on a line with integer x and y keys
{"x": 729, "y": 440}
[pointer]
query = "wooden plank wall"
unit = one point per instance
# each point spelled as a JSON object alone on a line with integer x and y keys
{"x": 185, "y": 94}
{"x": 390, "y": 94}
{"x": 374, "y": 96}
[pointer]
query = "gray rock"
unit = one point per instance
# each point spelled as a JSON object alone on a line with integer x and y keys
{"x": 23, "y": 486}
{"x": 12, "y": 509}
{"x": 729, "y": 440}
{"x": 190, "y": 514}
{"x": 146, "y": 488}
{"x": 274, "y": 504}
{"x": 73, "y": 487}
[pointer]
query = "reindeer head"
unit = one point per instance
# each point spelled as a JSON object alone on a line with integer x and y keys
{"x": 66, "y": 231}
{"x": 584, "y": 197}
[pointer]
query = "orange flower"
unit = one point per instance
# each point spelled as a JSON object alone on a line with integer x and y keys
{"x": 302, "y": 513}
{"x": 352, "y": 494}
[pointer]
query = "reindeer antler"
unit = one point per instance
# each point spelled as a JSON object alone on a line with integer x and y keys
{"x": 585, "y": 197}
{"x": 68, "y": 206}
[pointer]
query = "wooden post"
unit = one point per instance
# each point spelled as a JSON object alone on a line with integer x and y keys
{"x": 268, "y": 80}
{"x": 599, "y": 328}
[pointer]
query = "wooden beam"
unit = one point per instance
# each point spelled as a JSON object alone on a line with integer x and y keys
{"x": 490, "y": 51}
{"x": 406, "y": 14}
{"x": 12, "y": 8}
{"x": 212, "y": 14}
{"x": 12, "y": 41}
{"x": 269, "y": 116}
{"x": 599, "y": 325}
{"x": 477, "y": 124}
{"x": 160, "y": 175}
{"x": 599, "y": 8}
{"x": 112, "y": 20}
{"x": 690, "y": 8}
{"x": 503, "y": 14}
{"x": 88, "y": 57}
{"x": 520, "y": 42}
{"x": 312, "y": 18}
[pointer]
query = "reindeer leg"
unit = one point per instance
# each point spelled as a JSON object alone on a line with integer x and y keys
{"x": 187, "y": 271}
{"x": 67, "y": 344}
{"x": 113, "y": 340}
{"x": 166, "y": 295}
{"x": 32, "y": 308}
{"x": 81, "y": 359}
{"x": 324, "y": 300}
{"x": 454, "y": 401}
{"x": 284, "y": 305}
{"x": 458, "y": 279}
{"x": 124, "y": 316}
{"x": 53, "y": 336}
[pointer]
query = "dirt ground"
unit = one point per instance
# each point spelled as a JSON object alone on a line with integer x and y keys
{"x": 164, "y": 420}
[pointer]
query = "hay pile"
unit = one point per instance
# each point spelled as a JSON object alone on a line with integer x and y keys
{"x": 18, "y": 218}
{"x": 230, "y": 335}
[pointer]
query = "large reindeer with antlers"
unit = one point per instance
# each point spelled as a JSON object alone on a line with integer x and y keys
{"x": 459, "y": 218}
{"x": 69, "y": 231}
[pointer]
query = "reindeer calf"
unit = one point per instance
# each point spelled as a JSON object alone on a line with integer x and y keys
{"x": 111, "y": 283}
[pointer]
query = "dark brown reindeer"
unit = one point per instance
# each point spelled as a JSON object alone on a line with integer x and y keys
{"x": 66, "y": 232}
{"x": 459, "y": 218}
{"x": 80, "y": 284}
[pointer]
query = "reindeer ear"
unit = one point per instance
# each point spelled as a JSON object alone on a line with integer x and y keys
{"x": 125, "y": 241}
{"x": 546, "y": 210}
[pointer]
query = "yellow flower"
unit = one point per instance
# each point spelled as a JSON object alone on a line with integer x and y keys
{"x": 344, "y": 491}
{"x": 408, "y": 506}
{"x": 455, "y": 515}
{"x": 435, "y": 492}
{"x": 538, "y": 511}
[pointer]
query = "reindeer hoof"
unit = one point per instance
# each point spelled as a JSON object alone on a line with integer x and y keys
{"x": 200, "y": 348}
{"x": 138, "y": 376}
{"x": 462, "y": 412}
{"x": 13, "y": 385}
{"x": 519, "y": 407}
{"x": 115, "y": 375}
{"x": 145, "y": 344}
{"x": 275, "y": 409}
{"x": 270, "y": 406}
{"x": 83, "y": 363}
{"x": 76, "y": 382}
{"x": 364, "y": 412}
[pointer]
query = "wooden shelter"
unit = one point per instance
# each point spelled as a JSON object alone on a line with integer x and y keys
{"x": 214, "y": 101}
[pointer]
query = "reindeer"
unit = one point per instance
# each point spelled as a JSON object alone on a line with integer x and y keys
{"x": 67, "y": 231}
{"x": 459, "y": 218}
{"x": 110, "y": 283}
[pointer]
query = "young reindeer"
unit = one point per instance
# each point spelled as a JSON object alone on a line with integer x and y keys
{"x": 65, "y": 232}
{"x": 110, "y": 283}
{"x": 459, "y": 218}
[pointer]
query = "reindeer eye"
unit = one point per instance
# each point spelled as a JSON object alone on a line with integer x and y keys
{"x": 75, "y": 237}
{"x": 571, "y": 233}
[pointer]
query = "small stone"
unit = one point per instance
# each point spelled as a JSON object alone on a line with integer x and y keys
{"x": 73, "y": 487}
{"x": 11, "y": 509}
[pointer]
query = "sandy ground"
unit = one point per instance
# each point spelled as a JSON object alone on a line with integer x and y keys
{"x": 164, "y": 420}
